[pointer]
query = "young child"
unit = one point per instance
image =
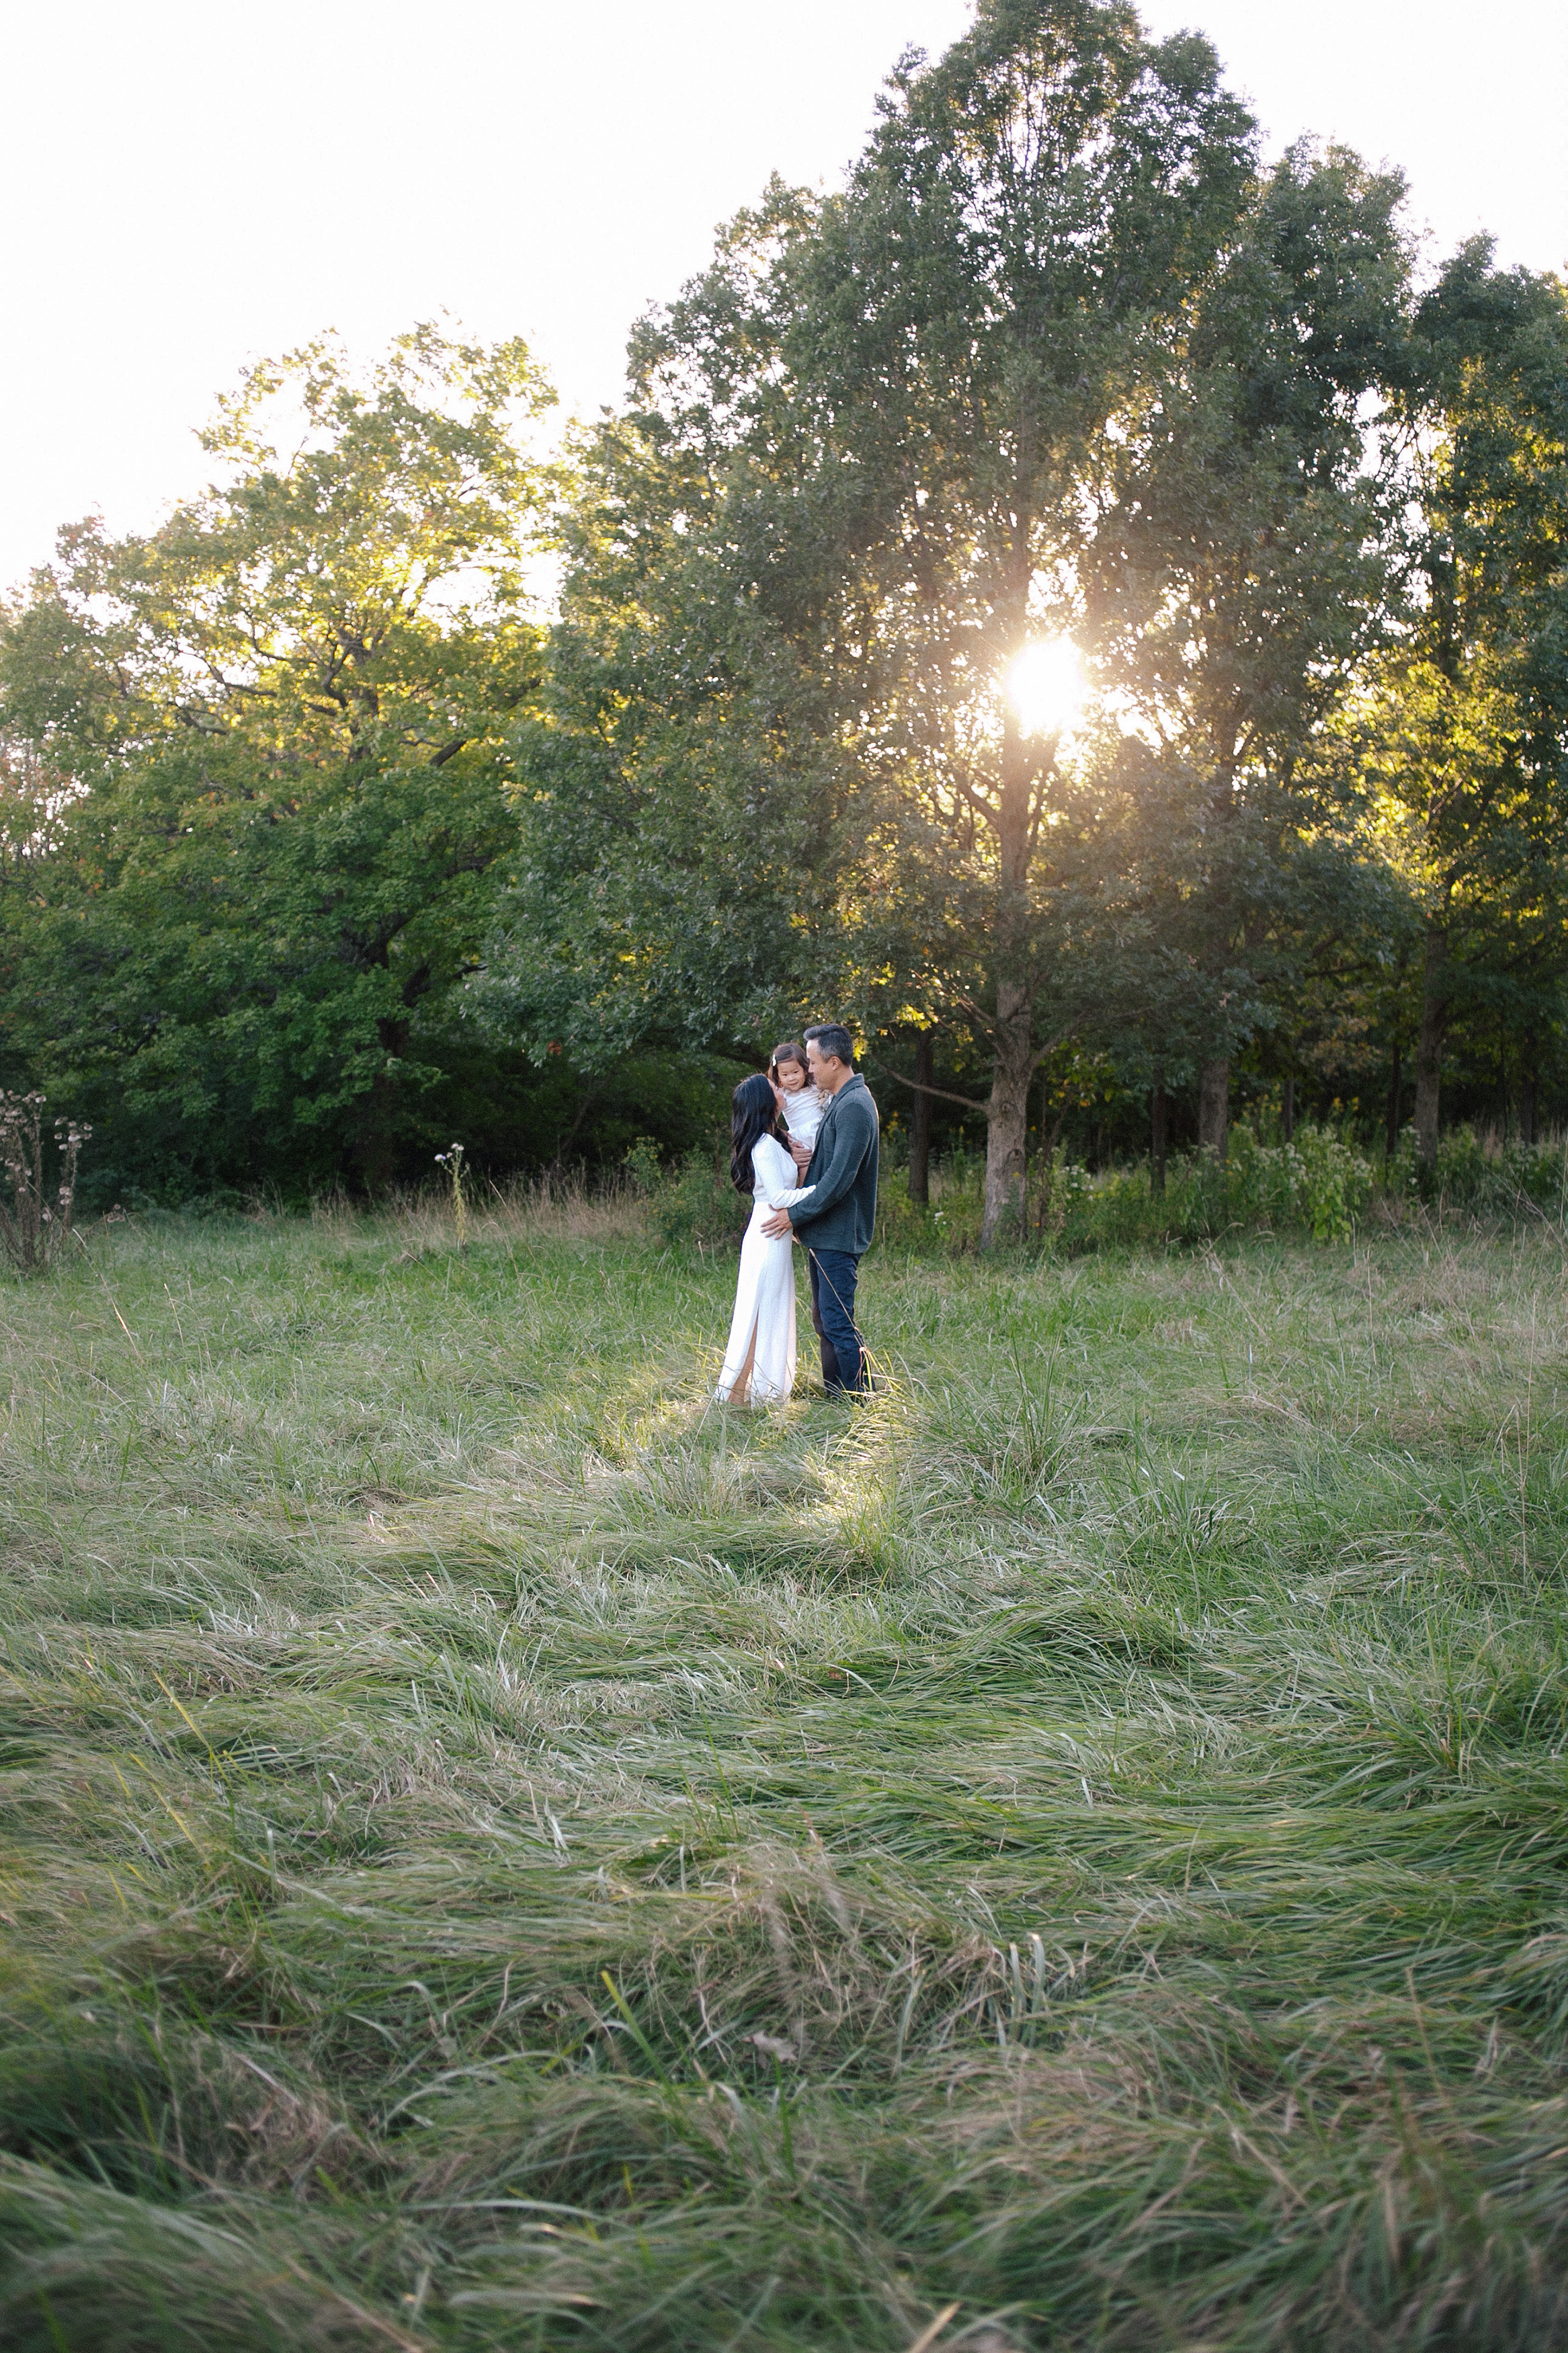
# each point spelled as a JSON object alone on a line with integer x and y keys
{"x": 804, "y": 1104}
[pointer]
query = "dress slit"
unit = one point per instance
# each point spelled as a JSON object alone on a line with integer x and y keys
{"x": 741, "y": 1384}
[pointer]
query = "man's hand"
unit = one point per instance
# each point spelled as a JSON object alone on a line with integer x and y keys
{"x": 776, "y": 1225}
{"x": 801, "y": 1154}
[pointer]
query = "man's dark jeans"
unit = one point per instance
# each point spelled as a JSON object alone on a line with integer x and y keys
{"x": 834, "y": 1274}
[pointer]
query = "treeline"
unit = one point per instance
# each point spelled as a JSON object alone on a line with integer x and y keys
{"x": 320, "y": 847}
{"x": 260, "y": 800}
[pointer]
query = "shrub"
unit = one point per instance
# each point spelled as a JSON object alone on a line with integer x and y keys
{"x": 1316, "y": 1184}
{"x": 699, "y": 1206}
{"x": 641, "y": 1166}
{"x": 32, "y": 1229}
{"x": 928, "y": 1232}
{"x": 1482, "y": 1172}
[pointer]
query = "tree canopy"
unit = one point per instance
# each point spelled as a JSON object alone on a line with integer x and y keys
{"x": 318, "y": 834}
{"x": 280, "y": 730}
{"x": 1062, "y": 361}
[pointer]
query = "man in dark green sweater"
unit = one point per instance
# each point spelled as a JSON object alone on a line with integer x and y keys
{"x": 836, "y": 1221}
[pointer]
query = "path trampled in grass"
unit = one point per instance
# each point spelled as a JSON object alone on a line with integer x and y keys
{"x": 498, "y": 1853}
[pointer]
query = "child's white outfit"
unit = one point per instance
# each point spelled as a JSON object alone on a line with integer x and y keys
{"x": 803, "y": 1114}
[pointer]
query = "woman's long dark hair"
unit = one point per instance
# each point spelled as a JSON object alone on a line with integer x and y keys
{"x": 753, "y": 1113}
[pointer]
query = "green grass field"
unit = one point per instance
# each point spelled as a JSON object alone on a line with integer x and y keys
{"x": 499, "y": 1853}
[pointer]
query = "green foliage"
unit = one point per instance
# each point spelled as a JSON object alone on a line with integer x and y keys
{"x": 280, "y": 726}
{"x": 906, "y": 1228}
{"x": 237, "y": 976}
{"x": 642, "y": 1166}
{"x": 1058, "y": 357}
{"x": 1236, "y": 586}
{"x": 317, "y": 851}
{"x": 776, "y": 769}
{"x": 699, "y": 1206}
{"x": 349, "y": 590}
{"x": 1487, "y": 1172}
{"x": 1464, "y": 727}
{"x": 497, "y": 1854}
{"x": 1317, "y": 1184}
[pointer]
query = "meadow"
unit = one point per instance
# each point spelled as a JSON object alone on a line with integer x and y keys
{"x": 496, "y": 1852}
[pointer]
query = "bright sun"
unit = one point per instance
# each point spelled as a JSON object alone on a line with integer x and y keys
{"x": 1045, "y": 685}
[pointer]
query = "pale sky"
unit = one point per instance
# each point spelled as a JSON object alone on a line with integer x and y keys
{"x": 186, "y": 185}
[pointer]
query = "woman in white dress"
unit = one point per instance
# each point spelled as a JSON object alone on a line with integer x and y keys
{"x": 759, "y": 1362}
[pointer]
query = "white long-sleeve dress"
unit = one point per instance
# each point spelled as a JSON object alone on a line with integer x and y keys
{"x": 759, "y": 1362}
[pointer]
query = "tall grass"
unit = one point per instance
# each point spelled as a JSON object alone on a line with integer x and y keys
{"x": 499, "y": 1852}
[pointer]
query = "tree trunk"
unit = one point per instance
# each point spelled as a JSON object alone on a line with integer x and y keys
{"x": 1395, "y": 1085}
{"x": 1214, "y": 1107}
{"x": 919, "y": 1122}
{"x": 1287, "y": 1106}
{"x": 1007, "y": 1112}
{"x": 1429, "y": 1047}
{"x": 1013, "y": 1069}
{"x": 1159, "y": 1122}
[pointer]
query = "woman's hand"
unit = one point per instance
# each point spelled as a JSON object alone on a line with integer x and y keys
{"x": 801, "y": 1154}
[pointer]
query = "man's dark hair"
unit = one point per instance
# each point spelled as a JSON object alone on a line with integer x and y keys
{"x": 831, "y": 1038}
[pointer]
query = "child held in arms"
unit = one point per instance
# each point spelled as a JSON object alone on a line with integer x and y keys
{"x": 804, "y": 1104}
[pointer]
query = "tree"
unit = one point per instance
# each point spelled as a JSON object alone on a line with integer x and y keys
{"x": 681, "y": 793}
{"x": 32, "y": 798}
{"x": 283, "y": 718}
{"x": 1237, "y": 578}
{"x": 1057, "y": 362}
{"x": 1468, "y": 724}
{"x": 871, "y": 425}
